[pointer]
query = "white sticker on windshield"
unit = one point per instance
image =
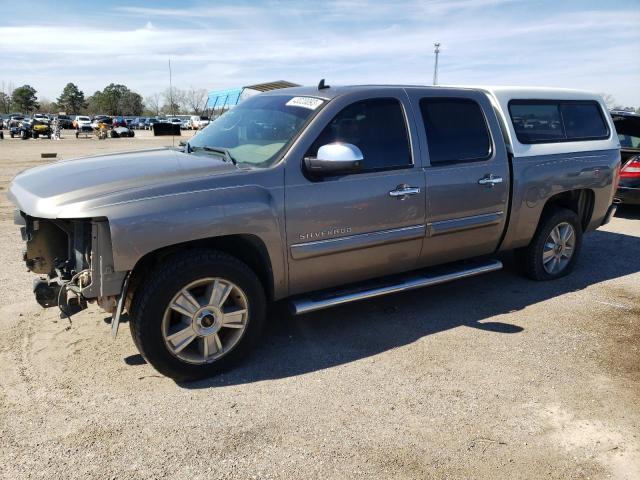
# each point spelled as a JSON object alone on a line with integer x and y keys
{"x": 304, "y": 102}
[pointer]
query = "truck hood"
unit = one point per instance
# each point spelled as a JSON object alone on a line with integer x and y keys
{"x": 57, "y": 190}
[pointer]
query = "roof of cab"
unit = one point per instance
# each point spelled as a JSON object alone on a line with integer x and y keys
{"x": 497, "y": 91}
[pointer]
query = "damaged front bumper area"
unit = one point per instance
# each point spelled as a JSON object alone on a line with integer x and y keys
{"x": 75, "y": 261}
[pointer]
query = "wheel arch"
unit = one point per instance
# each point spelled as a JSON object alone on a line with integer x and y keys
{"x": 580, "y": 201}
{"x": 247, "y": 248}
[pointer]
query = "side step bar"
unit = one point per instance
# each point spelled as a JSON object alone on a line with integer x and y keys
{"x": 420, "y": 279}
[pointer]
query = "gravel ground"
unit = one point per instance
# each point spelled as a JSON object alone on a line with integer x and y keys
{"x": 490, "y": 377}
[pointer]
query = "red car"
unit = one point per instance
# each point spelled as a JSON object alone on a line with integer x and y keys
{"x": 628, "y": 129}
{"x": 119, "y": 122}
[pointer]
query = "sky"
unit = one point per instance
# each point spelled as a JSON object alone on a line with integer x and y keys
{"x": 593, "y": 45}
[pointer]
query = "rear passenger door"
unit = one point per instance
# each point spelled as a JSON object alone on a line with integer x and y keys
{"x": 466, "y": 173}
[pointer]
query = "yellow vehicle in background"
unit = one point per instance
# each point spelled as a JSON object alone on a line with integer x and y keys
{"x": 40, "y": 128}
{"x": 102, "y": 130}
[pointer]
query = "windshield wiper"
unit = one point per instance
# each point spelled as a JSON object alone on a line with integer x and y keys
{"x": 226, "y": 154}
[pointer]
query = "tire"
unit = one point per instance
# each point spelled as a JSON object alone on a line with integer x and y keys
{"x": 77, "y": 134}
{"x": 540, "y": 262}
{"x": 35, "y": 135}
{"x": 153, "y": 323}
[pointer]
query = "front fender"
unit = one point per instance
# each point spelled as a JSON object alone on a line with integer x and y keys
{"x": 150, "y": 224}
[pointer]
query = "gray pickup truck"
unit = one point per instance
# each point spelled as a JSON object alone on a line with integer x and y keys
{"x": 321, "y": 196}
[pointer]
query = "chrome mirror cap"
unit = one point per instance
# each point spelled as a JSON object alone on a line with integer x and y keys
{"x": 335, "y": 159}
{"x": 340, "y": 152}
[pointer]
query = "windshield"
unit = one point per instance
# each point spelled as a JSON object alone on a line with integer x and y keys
{"x": 258, "y": 129}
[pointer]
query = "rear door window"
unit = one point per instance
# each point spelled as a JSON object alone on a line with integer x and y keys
{"x": 456, "y": 130}
{"x": 550, "y": 121}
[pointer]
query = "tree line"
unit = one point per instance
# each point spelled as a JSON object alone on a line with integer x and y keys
{"x": 114, "y": 99}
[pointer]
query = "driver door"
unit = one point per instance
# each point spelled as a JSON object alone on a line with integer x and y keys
{"x": 356, "y": 226}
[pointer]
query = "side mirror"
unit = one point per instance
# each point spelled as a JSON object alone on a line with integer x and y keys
{"x": 334, "y": 159}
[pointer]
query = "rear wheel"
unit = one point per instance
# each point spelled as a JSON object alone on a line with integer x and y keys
{"x": 199, "y": 313}
{"x": 555, "y": 247}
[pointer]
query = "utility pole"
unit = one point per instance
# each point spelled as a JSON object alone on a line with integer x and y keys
{"x": 435, "y": 68}
{"x": 173, "y": 113}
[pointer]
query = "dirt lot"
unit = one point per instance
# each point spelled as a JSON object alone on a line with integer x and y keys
{"x": 491, "y": 377}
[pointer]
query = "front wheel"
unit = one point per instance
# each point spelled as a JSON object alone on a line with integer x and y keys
{"x": 555, "y": 246}
{"x": 199, "y": 313}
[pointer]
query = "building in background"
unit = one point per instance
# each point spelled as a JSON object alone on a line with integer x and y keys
{"x": 222, "y": 100}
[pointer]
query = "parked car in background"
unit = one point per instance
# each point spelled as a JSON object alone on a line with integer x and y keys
{"x": 65, "y": 121}
{"x": 148, "y": 124}
{"x": 81, "y": 121}
{"x": 40, "y": 127}
{"x": 98, "y": 119}
{"x": 174, "y": 121}
{"x": 14, "y": 120}
{"x": 184, "y": 124}
{"x": 20, "y": 129}
{"x": 137, "y": 123}
{"x": 628, "y": 129}
{"x": 198, "y": 122}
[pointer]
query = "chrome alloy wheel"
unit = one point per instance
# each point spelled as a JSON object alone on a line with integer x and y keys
{"x": 205, "y": 320}
{"x": 558, "y": 248}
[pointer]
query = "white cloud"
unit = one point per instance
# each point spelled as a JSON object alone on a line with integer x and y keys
{"x": 354, "y": 41}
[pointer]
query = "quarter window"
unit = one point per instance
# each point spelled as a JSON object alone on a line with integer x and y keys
{"x": 456, "y": 130}
{"x": 548, "y": 121}
{"x": 583, "y": 120}
{"x": 377, "y": 127}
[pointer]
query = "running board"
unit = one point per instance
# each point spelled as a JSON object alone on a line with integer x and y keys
{"x": 402, "y": 283}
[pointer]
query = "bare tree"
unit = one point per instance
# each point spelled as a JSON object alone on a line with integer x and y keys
{"x": 152, "y": 102}
{"x": 174, "y": 101}
{"x": 609, "y": 100}
{"x": 6, "y": 91}
{"x": 196, "y": 100}
{"x": 46, "y": 105}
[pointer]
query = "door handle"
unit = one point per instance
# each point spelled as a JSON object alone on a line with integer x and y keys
{"x": 490, "y": 180}
{"x": 403, "y": 191}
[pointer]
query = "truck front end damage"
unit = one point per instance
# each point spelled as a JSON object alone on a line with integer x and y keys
{"x": 74, "y": 260}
